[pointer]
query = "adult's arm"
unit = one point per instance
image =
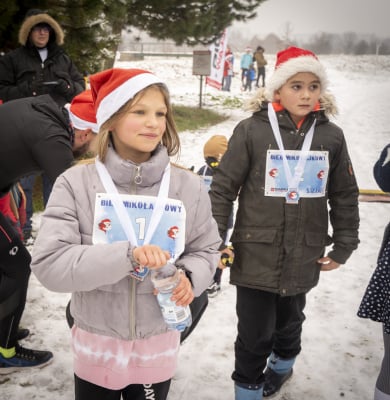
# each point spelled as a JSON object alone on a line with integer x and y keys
{"x": 382, "y": 169}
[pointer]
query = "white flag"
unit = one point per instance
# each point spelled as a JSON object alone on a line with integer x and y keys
{"x": 218, "y": 49}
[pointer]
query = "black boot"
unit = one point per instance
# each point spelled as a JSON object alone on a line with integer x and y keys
{"x": 274, "y": 381}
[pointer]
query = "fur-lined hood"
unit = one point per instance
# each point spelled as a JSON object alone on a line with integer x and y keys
{"x": 262, "y": 95}
{"x": 40, "y": 18}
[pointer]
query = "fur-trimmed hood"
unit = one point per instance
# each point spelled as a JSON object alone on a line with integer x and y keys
{"x": 39, "y": 18}
{"x": 262, "y": 95}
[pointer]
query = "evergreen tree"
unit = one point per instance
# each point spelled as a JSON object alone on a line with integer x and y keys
{"x": 190, "y": 22}
{"x": 93, "y": 27}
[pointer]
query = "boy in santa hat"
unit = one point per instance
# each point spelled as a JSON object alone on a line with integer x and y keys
{"x": 288, "y": 164}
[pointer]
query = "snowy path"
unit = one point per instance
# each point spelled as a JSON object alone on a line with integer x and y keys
{"x": 341, "y": 353}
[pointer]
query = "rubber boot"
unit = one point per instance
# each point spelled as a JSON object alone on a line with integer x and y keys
{"x": 278, "y": 371}
{"x": 248, "y": 392}
{"x": 280, "y": 365}
{"x": 379, "y": 395}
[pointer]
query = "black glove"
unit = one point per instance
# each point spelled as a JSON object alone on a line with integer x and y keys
{"x": 64, "y": 87}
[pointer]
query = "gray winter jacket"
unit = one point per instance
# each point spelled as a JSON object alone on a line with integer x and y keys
{"x": 277, "y": 244}
{"x": 105, "y": 299}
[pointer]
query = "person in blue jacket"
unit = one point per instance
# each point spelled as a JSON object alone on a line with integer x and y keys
{"x": 245, "y": 62}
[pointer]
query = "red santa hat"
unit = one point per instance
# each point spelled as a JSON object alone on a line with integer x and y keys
{"x": 82, "y": 111}
{"x": 113, "y": 88}
{"x": 291, "y": 61}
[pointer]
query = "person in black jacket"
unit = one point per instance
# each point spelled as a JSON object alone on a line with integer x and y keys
{"x": 39, "y": 66}
{"x": 375, "y": 303}
{"x": 289, "y": 167}
{"x": 36, "y": 136}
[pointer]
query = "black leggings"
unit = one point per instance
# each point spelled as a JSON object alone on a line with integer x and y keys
{"x": 86, "y": 391}
{"x": 14, "y": 276}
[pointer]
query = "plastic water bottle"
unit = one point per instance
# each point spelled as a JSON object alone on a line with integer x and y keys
{"x": 165, "y": 279}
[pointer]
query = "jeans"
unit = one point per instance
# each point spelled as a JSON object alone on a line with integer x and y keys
{"x": 27, "y": 184}
{"x": 227, "y": 83}
{"x": 260, "y": 73}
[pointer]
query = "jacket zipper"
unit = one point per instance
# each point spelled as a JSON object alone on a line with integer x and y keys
{"x": 132, "y": 309}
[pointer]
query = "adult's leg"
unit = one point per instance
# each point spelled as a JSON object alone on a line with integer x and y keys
{"x": 14, "y": 275}
{"x": 258, "y": 76}
{"x": 262, "y": 74}
{"x": 27, "y": 184}
{"x": 47, "y": 187}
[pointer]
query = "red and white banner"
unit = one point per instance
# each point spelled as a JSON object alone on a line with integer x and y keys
{"x": 218, "y": 49}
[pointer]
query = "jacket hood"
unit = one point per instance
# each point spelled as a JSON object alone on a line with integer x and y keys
{"x": 327, "y": 102}
{"x": 39, "y": 18}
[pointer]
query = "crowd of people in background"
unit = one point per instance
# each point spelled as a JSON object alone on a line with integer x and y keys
{"x": 252, "y": 69}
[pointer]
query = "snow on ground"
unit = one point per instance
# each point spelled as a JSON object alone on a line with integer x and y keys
{"x": 341, "y": 353}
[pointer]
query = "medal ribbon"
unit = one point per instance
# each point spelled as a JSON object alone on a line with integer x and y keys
{"x": 292, "y": 180}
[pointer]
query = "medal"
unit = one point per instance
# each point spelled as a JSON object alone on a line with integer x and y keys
{"x": 292, "y": 196}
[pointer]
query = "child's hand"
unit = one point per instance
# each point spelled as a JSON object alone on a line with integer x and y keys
{"x": 183, "y": 294}
{"x": 230, "y": 256}
{"x": 151, "y": 256}
{"x": 327, "y": 264}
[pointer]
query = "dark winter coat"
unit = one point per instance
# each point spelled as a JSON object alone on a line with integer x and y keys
{"x": 22, "y": 73}
{"x": 35, "y": 136}
{"x": 382, "y": 177}
{"x": 277, "y": 245}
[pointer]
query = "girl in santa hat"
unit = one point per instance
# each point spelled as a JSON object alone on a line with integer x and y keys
{"x": 281, "y": 229}
{"x": 121, "y": 344}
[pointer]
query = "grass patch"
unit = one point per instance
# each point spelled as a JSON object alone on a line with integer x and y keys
{"x": 192, "y": 118}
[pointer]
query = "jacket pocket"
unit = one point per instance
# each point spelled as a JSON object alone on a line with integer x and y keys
{"x": 266, "y": 236}
{"x": 315, "y": 239}
{"x": 313, "y": 249}
{"x": 257, "y": 253}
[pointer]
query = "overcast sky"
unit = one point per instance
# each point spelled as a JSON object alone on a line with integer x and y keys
{"x": 308, "y": 17}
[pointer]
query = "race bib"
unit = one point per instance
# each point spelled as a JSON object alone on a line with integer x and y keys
{"x": 169, "y": 234}
{"x": 313, "y": 179}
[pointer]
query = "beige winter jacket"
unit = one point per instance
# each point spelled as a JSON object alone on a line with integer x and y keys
{"x": 105, "y": 299}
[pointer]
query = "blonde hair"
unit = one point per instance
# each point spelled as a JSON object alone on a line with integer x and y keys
{"x": 170, "y": 137}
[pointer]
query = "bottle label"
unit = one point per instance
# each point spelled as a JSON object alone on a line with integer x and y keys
{"x": 172, "y": 313}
